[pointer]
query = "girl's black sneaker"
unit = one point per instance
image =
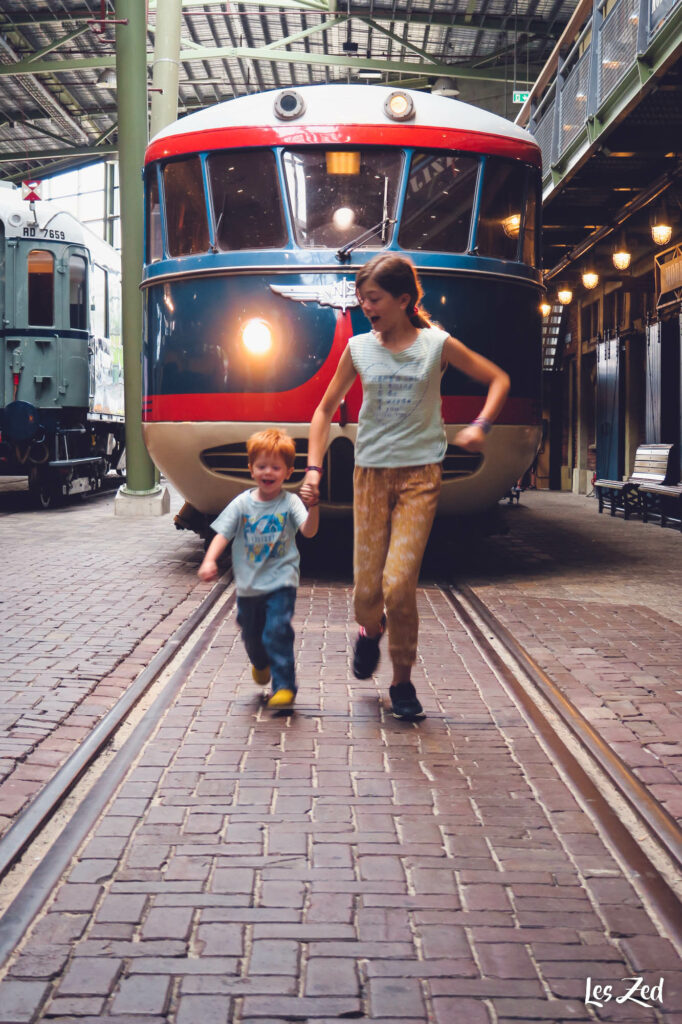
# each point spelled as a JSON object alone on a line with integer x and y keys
{"x": 366, "y": 652}
{"x": 405, "y": 703}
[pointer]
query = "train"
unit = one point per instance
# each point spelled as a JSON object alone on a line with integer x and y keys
{"x": 61, "y": 373}
{"x": 258, "y": 213}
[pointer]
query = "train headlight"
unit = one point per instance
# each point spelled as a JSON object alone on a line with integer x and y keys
{"x": 257, "y": 336}
{"x": 288, "y": 105}
{"x": 399, "y": 106}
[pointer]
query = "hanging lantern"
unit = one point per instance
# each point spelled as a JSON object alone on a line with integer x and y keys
{"x": 590, "y": 279}
{"x": 564, "y": 295}
{"x": 621, "y": 259}
{"x": 545, "y": 308}
{"x": 661, "y": 233}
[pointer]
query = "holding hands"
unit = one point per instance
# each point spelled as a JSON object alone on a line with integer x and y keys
{"x": 310, "y": 488}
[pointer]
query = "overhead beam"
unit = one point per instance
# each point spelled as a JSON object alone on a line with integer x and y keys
{"x": 304, "y": 33}
{"x": 263, "y": 53}
{"x": 6, "y": 157}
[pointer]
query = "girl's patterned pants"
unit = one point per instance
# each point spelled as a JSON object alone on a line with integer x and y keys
{"x": 393, "y": 513}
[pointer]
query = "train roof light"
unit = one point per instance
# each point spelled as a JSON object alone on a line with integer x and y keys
{"x": 399, "y": 106}
{"x": 288, "y": 105}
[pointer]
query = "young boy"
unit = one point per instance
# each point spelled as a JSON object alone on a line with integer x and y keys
{"x": 265, "y": 561}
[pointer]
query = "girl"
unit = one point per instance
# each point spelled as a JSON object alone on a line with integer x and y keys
{"x": 399, "y": 448}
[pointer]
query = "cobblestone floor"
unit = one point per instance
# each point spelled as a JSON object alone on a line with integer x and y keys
{"x": 338, "y": 864}
{"x": 86, "y": 601}
{"x": 598, "y": 602}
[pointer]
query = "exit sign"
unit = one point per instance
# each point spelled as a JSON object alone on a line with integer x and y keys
{"x": 520, "y": 97}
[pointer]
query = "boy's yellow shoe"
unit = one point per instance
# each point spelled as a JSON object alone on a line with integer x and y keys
{"x": 282, "y": 699}
{"x": 261, "y": 675}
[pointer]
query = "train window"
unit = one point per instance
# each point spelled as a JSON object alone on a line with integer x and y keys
{"x": 186, "y": 221}
{"x": 246, "y": 200}
{"x": 438, "y": 202}
{"x": 78, "y": 293}
{"x": 153, "y": 227}
{"x": 98, "y": 289}
{"x": 507, "y": 185}
{"x": 40, "y": 288}
{"x": 336, "y": 195}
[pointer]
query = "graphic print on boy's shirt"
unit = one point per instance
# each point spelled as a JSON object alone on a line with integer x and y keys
{"x": 263, "y": 536}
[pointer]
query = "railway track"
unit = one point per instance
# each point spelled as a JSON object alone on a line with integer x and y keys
{"x": 645, "y": 839}
{"x": 42, "y": 832}
{"x": 36, "y": 851}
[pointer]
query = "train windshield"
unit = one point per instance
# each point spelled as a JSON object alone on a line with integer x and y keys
{"x": 439, "y": 202}
{"x": 246, "y": 200}
{"x": 337, "y": 194}
{"x": 186, "y": 221}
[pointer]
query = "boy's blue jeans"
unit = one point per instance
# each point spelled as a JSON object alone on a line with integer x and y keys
{"x": 268, "y": 634}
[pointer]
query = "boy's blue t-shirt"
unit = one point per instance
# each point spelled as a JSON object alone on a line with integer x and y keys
{"x": 264, "y": 552}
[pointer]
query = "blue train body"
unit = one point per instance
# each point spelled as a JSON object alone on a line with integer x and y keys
{"x": 255, "y": 226}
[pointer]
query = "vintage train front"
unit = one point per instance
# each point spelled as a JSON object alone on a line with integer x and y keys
{"x": 61, "y": 374}
{"x": 258, "y": 213}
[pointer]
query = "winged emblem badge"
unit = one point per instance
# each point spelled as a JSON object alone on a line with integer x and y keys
{"x": 341, "y": 295}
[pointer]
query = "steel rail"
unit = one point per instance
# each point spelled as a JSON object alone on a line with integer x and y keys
{"x": 658, "y": 823}
{"x": 32, "y": 819}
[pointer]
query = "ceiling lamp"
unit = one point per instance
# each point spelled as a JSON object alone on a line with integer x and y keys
{"x": 511, "y": 225}
{"x": 106, "y": 79}
{"x": 369, "y": 74}
{"x": 445, "y": 87}
{"x": 545, "y": 308}
{"x": 564, "y": 295}
{"x": 590, "y": 279}
{"x": 660, "y": 231}
{"x": 621, "y": 259}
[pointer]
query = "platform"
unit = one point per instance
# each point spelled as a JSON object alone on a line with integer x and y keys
{"x": 335, "y": 863}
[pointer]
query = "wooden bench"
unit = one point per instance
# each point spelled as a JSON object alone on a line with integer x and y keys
{"x": 659, "y": 499}
{"x": 653, "y": 468}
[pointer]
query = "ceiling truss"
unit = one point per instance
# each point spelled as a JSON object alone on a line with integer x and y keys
{"x": 52, "y": 60}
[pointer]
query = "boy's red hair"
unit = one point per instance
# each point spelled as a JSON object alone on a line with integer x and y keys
{"x": 272, "y": 442}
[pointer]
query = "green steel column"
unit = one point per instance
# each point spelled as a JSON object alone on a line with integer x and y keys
{"x": 166, "y": 68}
{"x": 131, "y": 89}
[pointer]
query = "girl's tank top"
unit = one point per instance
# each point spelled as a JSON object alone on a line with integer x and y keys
{"x": 400, "y": 422}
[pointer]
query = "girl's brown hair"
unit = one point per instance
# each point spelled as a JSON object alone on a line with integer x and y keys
{"x": 271, "y": 442}
{"x": 397, "y": 276}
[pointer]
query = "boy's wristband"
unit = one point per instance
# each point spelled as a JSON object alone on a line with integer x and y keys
{"x": 318, "y": 469}
{"x": 485, "y": 425}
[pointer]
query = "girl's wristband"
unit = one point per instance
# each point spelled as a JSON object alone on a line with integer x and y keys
{"x": 318, "y": 469}
{"x": 485, "y": 425}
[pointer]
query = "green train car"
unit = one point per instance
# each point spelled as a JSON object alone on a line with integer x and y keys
{"x": 61, "y": 370}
